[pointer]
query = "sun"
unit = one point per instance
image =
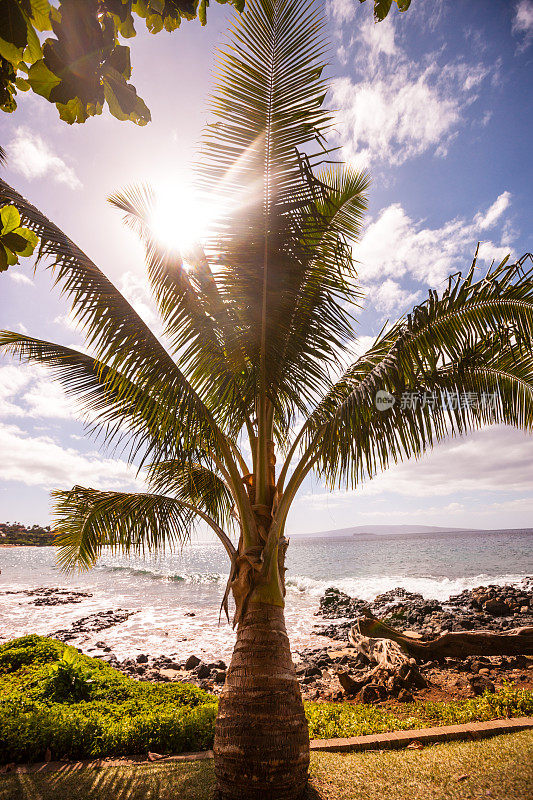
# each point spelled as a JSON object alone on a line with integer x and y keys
{"x": 180, "y": 219}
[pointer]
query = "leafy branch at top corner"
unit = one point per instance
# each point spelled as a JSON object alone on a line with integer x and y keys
{"x": 382, "y": 7}
{"x": 83, "y": 65}
{"x": 15, "y": 239}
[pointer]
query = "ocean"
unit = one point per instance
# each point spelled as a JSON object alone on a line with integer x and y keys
{"x": 176, "y": 598}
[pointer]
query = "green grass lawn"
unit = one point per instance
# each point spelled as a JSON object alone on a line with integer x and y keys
{"x": 53, "y": 698}
{"x": 500, "y": 769}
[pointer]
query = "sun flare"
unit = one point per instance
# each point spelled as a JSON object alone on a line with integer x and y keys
{"x": 181, "y": 220}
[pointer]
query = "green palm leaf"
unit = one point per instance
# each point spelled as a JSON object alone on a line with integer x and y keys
{"x": 455, "y": 344}
{"x": 267, "y": 108}
{"x": 86, "y": 521}
{"x": 195, "y": 483}
{"x": 115, "y": 332}
{"x": 153, "y": 428}
{"x": 197, "y": 322}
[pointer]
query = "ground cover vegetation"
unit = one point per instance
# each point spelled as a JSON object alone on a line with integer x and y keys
{"x": 54, "y": 699}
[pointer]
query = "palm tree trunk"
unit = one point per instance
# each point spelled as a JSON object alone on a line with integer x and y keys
{"x": 261, "y": 734}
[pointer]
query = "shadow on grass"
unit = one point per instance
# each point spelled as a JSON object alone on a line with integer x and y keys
{"x": 313, "y": 794}
{"x": 193, "y": 781}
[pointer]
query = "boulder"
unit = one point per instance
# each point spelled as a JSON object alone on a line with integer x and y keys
{"x": 479, "y": 684}
{"x": 372, "y": 693}
{"x": 202, "y": 671}
{"x": 192, "y": 662}
{"x": 496, "y": 607}
{"x": 404, "y": 696}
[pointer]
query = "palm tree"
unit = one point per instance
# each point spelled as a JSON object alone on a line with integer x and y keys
{"x": 257, "y": 327}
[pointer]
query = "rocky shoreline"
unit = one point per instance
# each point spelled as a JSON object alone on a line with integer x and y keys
{"x": 334, "y": 672}
{"x": 331, "y": 672}
{"x": 494, "y": 608}
{"x": 331, "y": 675}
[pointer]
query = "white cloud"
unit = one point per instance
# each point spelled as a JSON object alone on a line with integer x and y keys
{"x": 12, "y": 381}
{"x": 136, "y": 289}
{"x": 523, "y": 22}
{"x": 28, "y": 391}
{"x": 391, "y": 120}
{"x": 19, "y": 277}
{"x": 40, "y": 461}
{"x": 341, "y": 10}
{"x": 30, "y": 155}
{"x": 389, "y": 296}
{"x": 494, "y": 213}
{"x": 67, "y": 320}
{"x": 397, "y": 107}
{"x": 395, "y": 246}
{"x": 496, "y": 460}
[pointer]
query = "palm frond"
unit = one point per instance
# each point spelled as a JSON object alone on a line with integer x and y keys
{"x": 87, "y": 520}
{"x": 197, "y": 322}
{"x": 134, "y": 413}
{"x": 197, "y": 484}
{"x": 317, "y": 324}
{"x": 115, "y": 332}
{"x": 268, "y": 108}
{"x": 475, "y": 338}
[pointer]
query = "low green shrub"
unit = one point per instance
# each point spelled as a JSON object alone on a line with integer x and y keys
{"x": 52, "y": 697}
{"x": 33, "y": 649}
{"x": 509, "y": 701}
{"x": 87, "y": 730}
{"x": 68, "y": 679}
{"x": 339, "y": 720}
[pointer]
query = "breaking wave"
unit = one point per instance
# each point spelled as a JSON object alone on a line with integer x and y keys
{"x": 366, "y": 588}
{"x": 164, "y": 575}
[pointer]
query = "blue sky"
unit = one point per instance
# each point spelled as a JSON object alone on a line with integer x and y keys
{"x": 436, "y": 103}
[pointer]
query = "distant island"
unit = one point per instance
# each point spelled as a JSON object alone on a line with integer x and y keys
{"x": 14, "y": 533}
{"x": 362, "y": 531}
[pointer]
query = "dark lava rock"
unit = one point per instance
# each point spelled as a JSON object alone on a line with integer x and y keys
{"x": 93, "y": 623}
{"x": 404, "y": 696}
{"x": 479, "y": 683}
{"x": 496, "y": 607}
{"x": 349, "y": 684}
{"x": 312, "y": 671}
{"x": 394, "y": 595}
{"x": 372, "y": 693}
{"x": 202, "y": 671}
{"x": 335, "y": 604}
{"x": 220, "y": 676}
{"x": 50, "y": 596}
{"x": 192, "y": 662}
{"x": 142, "y": 659}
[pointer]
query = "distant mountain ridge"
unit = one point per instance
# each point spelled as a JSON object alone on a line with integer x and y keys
{"x": 399, "y": 530}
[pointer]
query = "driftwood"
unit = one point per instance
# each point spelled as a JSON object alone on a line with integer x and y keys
{"x": 389, "y": 670}
{"x": 450, "y": 645}
{"x": 384, "y": 653}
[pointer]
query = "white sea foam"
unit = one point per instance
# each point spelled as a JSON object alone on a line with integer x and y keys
{"x": 368, "y": 587}
{"x": 161, "y": 574}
